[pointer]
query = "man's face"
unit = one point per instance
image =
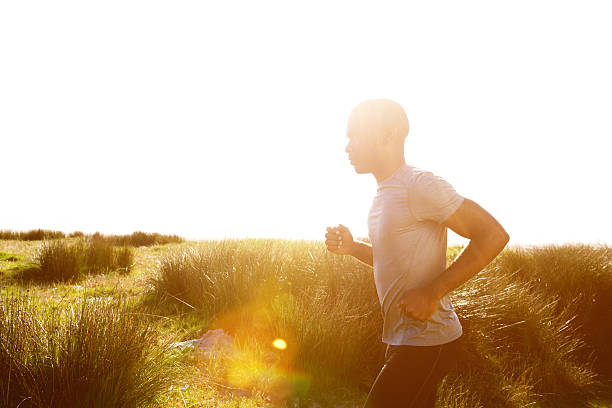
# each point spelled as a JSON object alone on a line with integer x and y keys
{"x": 361, "y": 147}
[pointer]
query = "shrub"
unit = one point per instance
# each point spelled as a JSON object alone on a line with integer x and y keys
{"x": 8, "y": 234}
{"x": 59, "y": 261}
{"x": 32, "y": 235}
{"x": 124, "y": 258}
{"x": 215, "y": 277}
{"x": 100, "y": 256}
{"x": 35, "y": 235}
{"x": 139, "y": 238}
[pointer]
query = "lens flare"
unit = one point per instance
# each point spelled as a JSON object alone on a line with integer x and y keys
{"x": 279, "y": 344}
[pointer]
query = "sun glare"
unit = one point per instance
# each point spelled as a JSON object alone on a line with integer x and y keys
{"x": 279, "y": 344}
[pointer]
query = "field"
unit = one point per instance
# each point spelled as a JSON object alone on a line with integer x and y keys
{"x": 92, "y": 323}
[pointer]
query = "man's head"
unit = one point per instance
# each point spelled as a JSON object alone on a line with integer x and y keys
{"x": 376, "y": 129}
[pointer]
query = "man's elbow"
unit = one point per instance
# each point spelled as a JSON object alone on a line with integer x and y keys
{"x": 496, "y": 238}
{"x": 501, "y": 238}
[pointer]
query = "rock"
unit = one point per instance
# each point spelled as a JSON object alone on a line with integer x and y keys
{"x": 211, "y": 342}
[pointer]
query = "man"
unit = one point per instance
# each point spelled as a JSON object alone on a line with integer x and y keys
{"x": 407, "y": 226}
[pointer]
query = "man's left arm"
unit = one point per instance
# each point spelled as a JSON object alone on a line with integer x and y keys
{"x": 487, "y": 239}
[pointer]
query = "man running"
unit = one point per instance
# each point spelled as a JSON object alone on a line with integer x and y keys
{"x": 407, "y": 226}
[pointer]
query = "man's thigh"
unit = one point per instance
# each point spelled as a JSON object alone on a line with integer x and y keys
{"x": 410, "y": 376}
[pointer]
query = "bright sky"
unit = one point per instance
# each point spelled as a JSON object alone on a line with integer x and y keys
{"x": 227, "y": 119}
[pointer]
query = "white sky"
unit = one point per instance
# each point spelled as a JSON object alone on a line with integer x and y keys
{"x": 227, "y": 119}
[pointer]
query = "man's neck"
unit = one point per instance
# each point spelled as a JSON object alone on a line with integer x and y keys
{"x": 388, "y": 168}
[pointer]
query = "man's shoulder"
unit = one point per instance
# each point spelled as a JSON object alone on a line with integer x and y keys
{"x": 414, "y": 174}
{"x": 422, "y": 182}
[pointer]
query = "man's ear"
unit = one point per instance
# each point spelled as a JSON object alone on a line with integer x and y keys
{"x": 384, "y": 138}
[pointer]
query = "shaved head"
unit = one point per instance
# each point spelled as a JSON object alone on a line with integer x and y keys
{"x": 380, "y": 118}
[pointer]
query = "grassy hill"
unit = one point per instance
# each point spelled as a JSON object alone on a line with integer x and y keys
{"x": 537, "y": 323}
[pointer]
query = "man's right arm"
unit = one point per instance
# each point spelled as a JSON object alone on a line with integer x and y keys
{"x": 363, "y": 252}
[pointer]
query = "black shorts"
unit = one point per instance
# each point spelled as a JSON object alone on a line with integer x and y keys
{"x": 410, "y": 375}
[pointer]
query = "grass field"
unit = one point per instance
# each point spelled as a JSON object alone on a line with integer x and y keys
{"x": 537, "y": 323}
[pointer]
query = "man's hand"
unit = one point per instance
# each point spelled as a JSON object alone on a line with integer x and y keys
{"x": 418, "y": 303}
{"x": 339, "y": 240}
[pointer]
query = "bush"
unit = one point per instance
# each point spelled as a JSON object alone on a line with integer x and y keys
{"x": 32, "y": 235}
{"x": 100, "y": 256}
{"x": 36, "y": 235}
{"x": 8, "y": 234}
{"x": 59, "y": 261}
{"x": 139, "y": 238}
{"x": 218, "y": 276}
{"x": 124, "y": 258}
{"x": 94, "y": 354}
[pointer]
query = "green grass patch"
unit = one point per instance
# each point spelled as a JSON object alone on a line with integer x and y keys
{"x": 9, "y": 257}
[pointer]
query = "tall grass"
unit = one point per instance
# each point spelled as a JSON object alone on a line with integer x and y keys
{"x": 521, "y": 347}
{"x": 526, "y": 328}
{"x": 96, "y": 353}
{"x": 325, "y": 306}
{"x": 580, "y": 277}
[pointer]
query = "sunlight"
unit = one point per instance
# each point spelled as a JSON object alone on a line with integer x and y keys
{"x": 249, "y": 143}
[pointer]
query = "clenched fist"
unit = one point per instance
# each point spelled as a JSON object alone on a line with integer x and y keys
{"x": 339, "y": 240}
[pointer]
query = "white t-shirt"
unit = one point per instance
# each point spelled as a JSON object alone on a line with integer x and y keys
{"x": 409, "y": 248}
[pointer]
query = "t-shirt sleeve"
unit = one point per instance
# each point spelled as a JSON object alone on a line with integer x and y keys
{"x": 433, "y": 198}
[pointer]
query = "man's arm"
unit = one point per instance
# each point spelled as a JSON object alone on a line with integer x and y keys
{"x": 487, "y": 239}
{"x": 363, "y": 252}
